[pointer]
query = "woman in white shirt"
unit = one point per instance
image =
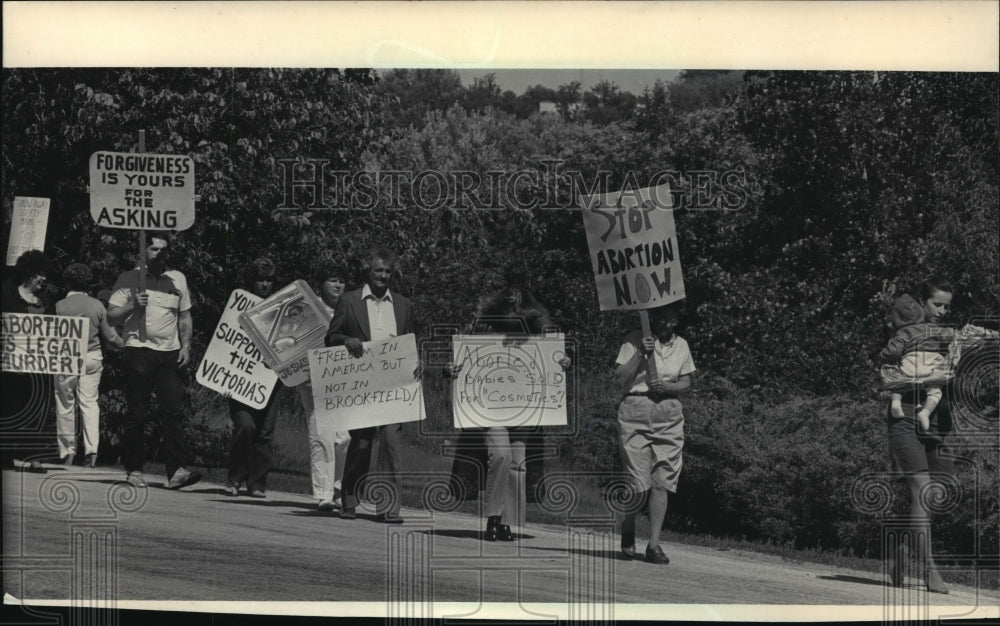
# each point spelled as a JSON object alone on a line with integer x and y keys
{"x": 651, "y": 420}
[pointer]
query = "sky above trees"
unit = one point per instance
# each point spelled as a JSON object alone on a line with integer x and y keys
{"x": 518, "y": 80}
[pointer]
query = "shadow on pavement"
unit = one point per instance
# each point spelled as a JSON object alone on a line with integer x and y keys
{"x": 266, "y": 502}
{"x": 102, "y": 481}
{"x": 853, "y": 579}
{"x": 605, "y": 554}
{"x": 467, "y": 534}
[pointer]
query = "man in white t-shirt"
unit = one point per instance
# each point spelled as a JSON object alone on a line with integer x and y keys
{"x": 157, "y": 333}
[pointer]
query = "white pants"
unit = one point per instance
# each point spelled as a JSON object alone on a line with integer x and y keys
{"x": 327, "y": 457}
{"x": 505, "y": 477}
{"x": 73, "y": 391}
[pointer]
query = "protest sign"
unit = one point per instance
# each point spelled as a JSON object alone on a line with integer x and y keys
{"x": 28, "y": 225}
{"x": 233, "y": 364}
{"x": 633, "y": 248}
{"x": 285, "y": 326}
{"x": 509, "y": 382}
{"x": 375, "y": 389}
{"x": 142, "y": 191}
{"x": 44, "y": 344}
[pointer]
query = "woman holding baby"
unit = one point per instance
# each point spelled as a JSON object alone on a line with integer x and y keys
{"x": 919, "y": 419}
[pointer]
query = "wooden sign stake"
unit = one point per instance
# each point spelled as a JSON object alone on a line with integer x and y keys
{"x": 142, "y": 254}
{"x": 651, "y": 374}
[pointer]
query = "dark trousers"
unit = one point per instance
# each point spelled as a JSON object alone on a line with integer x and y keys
{"x": 359, "y": 454}
{"x": 26, "y": 429}
{"x": 253, "y": 430}
{"x": 147, "y": 370}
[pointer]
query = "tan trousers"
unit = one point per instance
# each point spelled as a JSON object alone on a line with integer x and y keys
{"x": 79, "y": 391}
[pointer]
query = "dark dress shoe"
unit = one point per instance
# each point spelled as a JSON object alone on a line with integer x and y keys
{"x": 348, "y": 512}
{"x": 504, "y": 534}
{"x": 389, "y": 518}
{"x": 629, "y": 552}
{"x": 492, "y": 528}
{"x": 655, "y": 555}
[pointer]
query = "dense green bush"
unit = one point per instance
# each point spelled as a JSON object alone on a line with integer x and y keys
{"x": 857, "y": 185}
{"x": 786, "y": 470}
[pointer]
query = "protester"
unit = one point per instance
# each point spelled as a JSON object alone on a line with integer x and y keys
{"x": 372, "y": 313}
{"x": 512, "y": 310}
{"x": 253, "y": 429}
{"x": 327, "y": 455}
{"x": 651, "y": 421}
{"x": 922, "y": 353}
{"x": 921, "y": 456}
{"x": 157, "y": 331}
{"x": 25, "y": 396}
{"x": 919, "y": 348}
{"x": 82, "y": 390}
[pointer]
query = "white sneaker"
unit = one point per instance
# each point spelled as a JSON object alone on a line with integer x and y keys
{"x": 136, "y": 480}
{"x": 182, "y": 478}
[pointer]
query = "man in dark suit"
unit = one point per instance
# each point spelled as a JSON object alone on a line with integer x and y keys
{"x": 372, "y": 313}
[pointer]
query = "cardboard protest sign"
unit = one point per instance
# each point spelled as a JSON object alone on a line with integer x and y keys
{"x": 509, "y": 382}
{"x": 44, "y": 344}
{"x": 375, "y": 389}
{"x": 28, "y": 225}
{"x": 633, "y": 248}
{"x": 142, "y": 191}
{"x": 285, "y": 326}
{"x": 233, "y": 363}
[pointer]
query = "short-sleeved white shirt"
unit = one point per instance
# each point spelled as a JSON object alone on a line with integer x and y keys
{"x": 169, "y": 296}
{"x": 673, "y": 360}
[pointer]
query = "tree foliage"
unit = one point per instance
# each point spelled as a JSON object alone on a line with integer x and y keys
{"x": 853, "y": 186}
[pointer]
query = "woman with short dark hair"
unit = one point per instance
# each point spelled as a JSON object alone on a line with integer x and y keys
{"x": 253, "y": 429}
{"x": 81, "y": 391}
{"x": 26, "y": 397}
{"x": 652, "y": 372}
{"x": 921, "y": 455}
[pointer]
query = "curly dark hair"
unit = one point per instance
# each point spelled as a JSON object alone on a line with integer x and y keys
{"x": 262, "y": 268}
{"x": 78, "y": 277}
{"x": 327, "y": 268}
{"x": 31, "y": 264}
{"x": 674, "y": 310}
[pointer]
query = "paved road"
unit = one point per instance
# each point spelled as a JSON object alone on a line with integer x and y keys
{"x": 201, "y": 545}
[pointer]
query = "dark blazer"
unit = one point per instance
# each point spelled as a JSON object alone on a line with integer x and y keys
{"x": 350, "y": 318}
